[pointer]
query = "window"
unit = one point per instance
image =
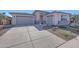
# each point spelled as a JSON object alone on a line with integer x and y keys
{"x": 63, "y": 17}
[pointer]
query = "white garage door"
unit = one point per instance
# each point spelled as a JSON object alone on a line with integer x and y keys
{"x": 50, "y": 20}
{"x": 24, "y": 20}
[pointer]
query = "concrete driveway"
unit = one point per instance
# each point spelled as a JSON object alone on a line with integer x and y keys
{"x": 29, "y": 37}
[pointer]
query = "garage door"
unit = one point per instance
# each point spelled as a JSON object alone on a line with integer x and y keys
{"x": 24, "y": 20}
{"x": 50, "y": 20}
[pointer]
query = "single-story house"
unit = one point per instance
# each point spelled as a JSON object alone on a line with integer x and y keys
{"x": 41, "y": 17}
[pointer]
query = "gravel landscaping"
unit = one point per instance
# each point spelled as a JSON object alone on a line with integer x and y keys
{"x": 62, "y": 32}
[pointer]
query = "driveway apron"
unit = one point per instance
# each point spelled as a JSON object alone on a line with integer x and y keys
{"x": 14, "y": 36}
{"x": 29, "y": 37}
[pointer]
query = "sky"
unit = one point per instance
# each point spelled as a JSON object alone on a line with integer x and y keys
{"x": 30, "y": 11}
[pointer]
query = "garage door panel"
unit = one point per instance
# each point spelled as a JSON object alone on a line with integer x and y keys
{"x": 28, "y": 20}
{"x": 50, "y": 20}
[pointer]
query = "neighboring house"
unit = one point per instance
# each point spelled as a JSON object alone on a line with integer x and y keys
{"x": 41, "y": 17}
{"x": 6, "y": 21}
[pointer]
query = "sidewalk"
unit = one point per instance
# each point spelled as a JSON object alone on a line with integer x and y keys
{"x": 74, "y": 43}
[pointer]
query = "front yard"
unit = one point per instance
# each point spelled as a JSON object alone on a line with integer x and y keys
{"x": 64, "y": 32}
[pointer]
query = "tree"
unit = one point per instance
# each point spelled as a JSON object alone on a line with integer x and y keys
{"x": 2, "y": 17}
{"x": 75, "y": 18}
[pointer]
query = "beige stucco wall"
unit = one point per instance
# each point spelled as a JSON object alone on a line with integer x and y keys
{"x": 13, "y": 20}
{"x": 37, "y": 16}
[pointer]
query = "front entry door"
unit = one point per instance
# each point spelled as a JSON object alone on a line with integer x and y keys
{"x": 42, "y": 21}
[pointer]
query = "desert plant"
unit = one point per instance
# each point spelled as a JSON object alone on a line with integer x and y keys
{"x": 66, "y": 33}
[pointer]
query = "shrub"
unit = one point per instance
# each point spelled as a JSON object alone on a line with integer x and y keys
{"x": 67, "y": 33}
{"x": 63, "y": 26}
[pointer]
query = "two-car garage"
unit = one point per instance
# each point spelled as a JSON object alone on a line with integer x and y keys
{"x": 24, "y": 20}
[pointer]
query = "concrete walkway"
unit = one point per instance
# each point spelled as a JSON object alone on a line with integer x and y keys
{"x": 29, "y": 37}
{"x": 74, "y": 43}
